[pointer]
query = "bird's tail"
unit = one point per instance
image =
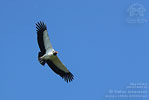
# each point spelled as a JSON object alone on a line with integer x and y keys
{"x": 42, "y": 62}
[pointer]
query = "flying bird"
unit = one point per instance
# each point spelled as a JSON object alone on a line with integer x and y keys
{"x": 48, "y": 55}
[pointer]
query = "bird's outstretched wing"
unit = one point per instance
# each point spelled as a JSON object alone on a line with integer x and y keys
{"x": 59, "y": 68}
{"x": 42, "y": 37}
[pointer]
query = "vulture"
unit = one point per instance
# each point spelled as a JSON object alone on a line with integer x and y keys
{"x": 48, "y": 55}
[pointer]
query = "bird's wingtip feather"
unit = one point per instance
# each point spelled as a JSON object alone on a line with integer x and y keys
{"x": 68, "y": 77}
{"x": 41, "y": 26}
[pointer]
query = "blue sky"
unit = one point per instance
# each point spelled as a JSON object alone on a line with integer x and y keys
{"x": 93, "y": 39}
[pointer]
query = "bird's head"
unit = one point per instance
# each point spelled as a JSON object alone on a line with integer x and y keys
{"x": 55, "y": 53}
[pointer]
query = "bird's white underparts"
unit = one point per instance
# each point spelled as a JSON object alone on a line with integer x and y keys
{"x": 48, "y": 55}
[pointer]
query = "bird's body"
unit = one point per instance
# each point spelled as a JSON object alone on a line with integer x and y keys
{"x": 48, "y": 55}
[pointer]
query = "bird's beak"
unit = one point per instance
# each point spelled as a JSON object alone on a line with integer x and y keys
{"x": 56, "y": 52}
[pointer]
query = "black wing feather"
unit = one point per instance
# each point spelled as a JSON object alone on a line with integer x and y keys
{"x": 68, "y": 77}
{"x": 41, "y": 27}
